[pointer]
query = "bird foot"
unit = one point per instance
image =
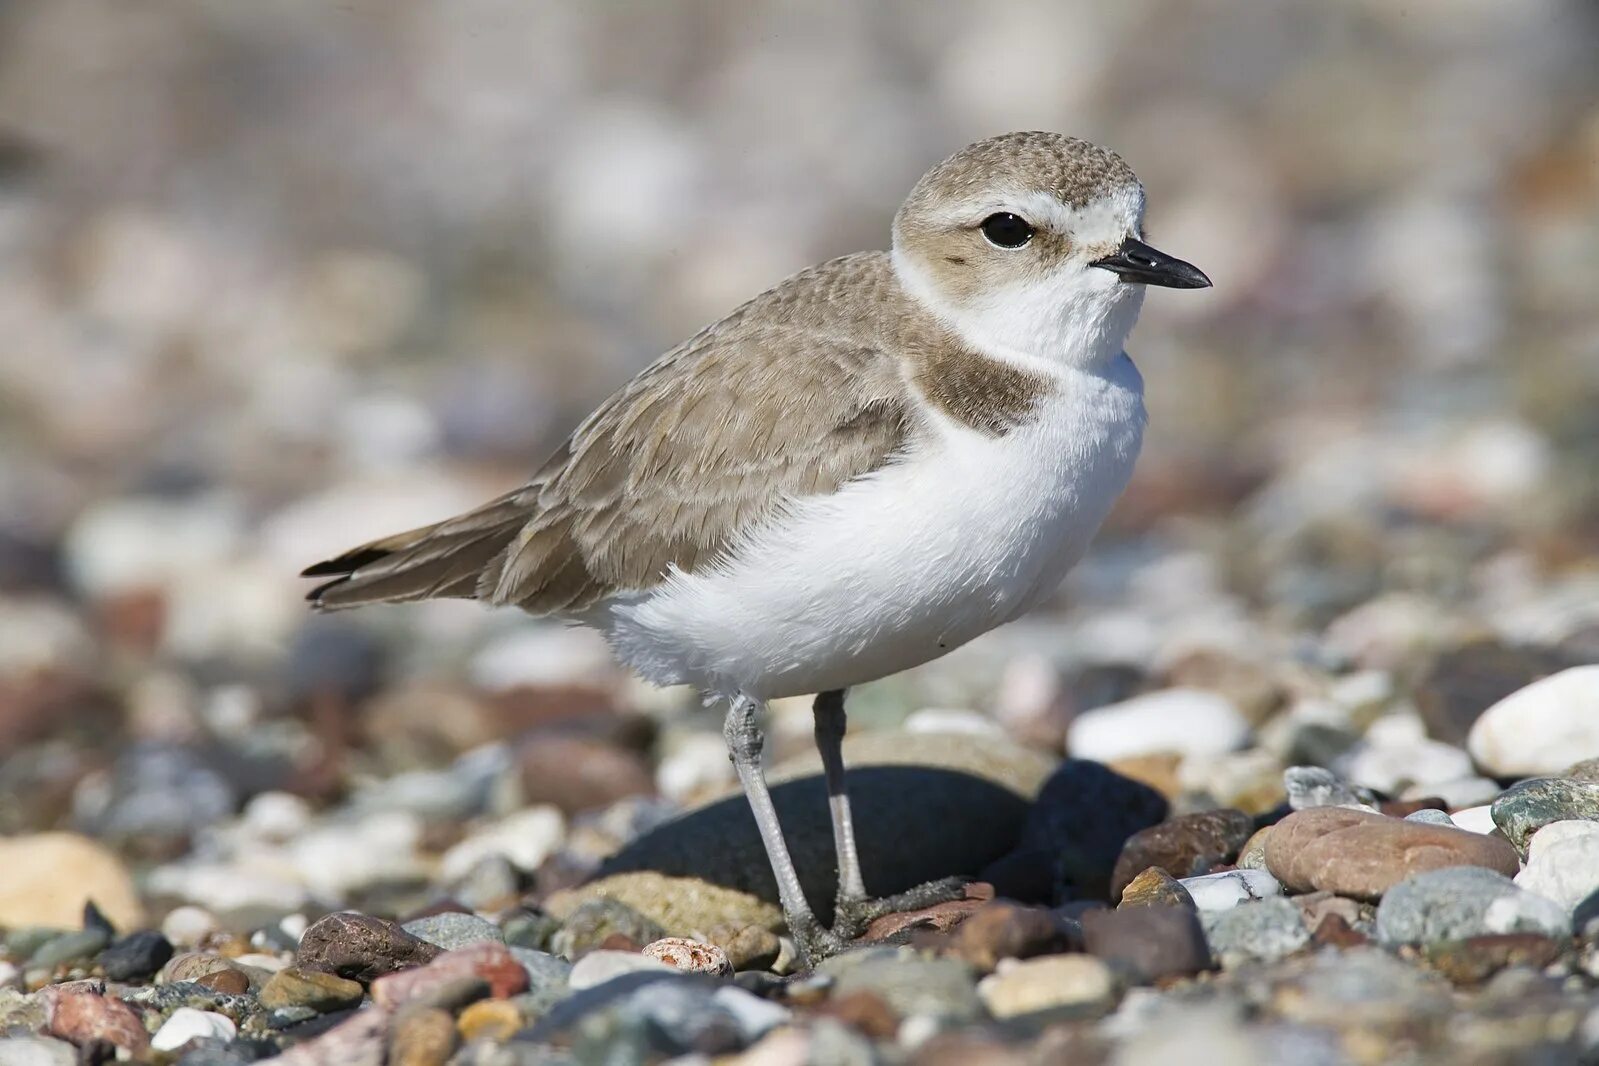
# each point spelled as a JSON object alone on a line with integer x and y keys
{"x": 851, "y": 917}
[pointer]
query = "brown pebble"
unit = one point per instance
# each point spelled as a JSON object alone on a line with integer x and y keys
{"x": 1183, "y": 846}
{"x": 1333, "y": 931}
{"x": 1004, "y": 930}
{"x": 229, "y": 982}
{"x": 83, "y": 1018}
{"x": 319, "y": 991}
{"x": 1148, "y": 943}
{"x": 1156, "y": 888}
{"x": 939, "y": 918}
{"x": 192, "y": 966}
{"x": 361, "y": 947}
{"x": 1473, "y": 961}
{"x": 1363, "y": 854}
{"x": 865, "y": 1011}
{"x": 490, "y": 1019}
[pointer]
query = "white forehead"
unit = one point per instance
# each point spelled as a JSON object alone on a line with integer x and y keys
{"x": 1104, "y": 220}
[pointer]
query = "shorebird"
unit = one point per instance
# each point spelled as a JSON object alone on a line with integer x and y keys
{"x": 858, "y": 470}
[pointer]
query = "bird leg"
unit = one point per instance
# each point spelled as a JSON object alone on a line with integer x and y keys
{"x": 744, "y": 743}
{"x": 853, "y": 911}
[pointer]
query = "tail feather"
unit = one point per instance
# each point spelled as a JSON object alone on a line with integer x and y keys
{"x": 443, "y": 560}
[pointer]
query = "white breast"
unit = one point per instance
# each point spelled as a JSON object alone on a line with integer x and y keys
{"x": 903, "y": 565}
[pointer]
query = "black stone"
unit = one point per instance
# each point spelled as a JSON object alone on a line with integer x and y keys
{"x": 136, "y": 956}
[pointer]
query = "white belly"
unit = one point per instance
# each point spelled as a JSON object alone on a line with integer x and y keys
{"x": 901, "y": 566}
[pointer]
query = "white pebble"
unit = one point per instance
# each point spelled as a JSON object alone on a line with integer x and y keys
{"x": 1180, "y": 720}
{"x": 187, "y": 926}
{"x": 1476, "y": 819}
{"x": 526, "y": 838}
{"x": 598, "y": 967}
{"x": 692, "y": 765}
{"x": 277, "y": 815}
{"x": 755, "y": 1016}
{"x": 1226, "y": 890}
{"x": 952, "y": 720}
{"x": 1563, "y": 863}
{"x": 1540, "y": 729}
{"x": 188, "y": 1024}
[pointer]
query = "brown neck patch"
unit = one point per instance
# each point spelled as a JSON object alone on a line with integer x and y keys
{"x": 981, "y": 393}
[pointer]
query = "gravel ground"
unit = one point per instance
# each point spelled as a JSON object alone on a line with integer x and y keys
{"x": 1302, "y": 766}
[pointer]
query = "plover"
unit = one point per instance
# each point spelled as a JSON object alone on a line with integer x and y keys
{"x": 860, "y": 469}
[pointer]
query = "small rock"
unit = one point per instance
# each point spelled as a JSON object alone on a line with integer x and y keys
{"x": 1185, "y": 721}
{"x": 1461, "y": 902}
{"x": 1474, "y": 960}
{"x": 1184, "y": 846}
{"x": 676, "y": 906}
{"x": 51, "y": 876}
{"x": 1156, "y": 888}
{"x": 1227, "y": 889}
{"x": 492, "y": 962}
{"x": 69, "y": 947}
{"x": 755, "y": 1016}
{"x": 1527, "y": 806}
{"x": 360, "y": 947}
{"x": 935, "y": 918}
{"x": 83, "y": 1017}
{"x": 1147, "y": 943}
{"x": 186, "y": 926}
{"x": 315, "y": 990}
{"x": 1475, "y": 820}
{"x": 1563, "y": 863}
{"x": 543, "y": 969}
{"x": 36, "y": 1051}
{"x": 490, "y": 1019}
{"x": 1431, "y": 816}
{"x": 910, "y": 984}
{"x": 186, "y": 1024}
{"x": 1252, "y": 856}
{"x": 1263, "y": 931}
{"x": 1540, "y": 728}
{"x": 229, "y": 982}
{"x": 136, "y": 956}
{"x": 356, "y": 1041}
{"x": 598, "y": 967}
{"x": 1464, "y": 682}
{"x": 1002, "y": 930}
{"x": 579, "y": 773}
{"x": 1049, "y": 983}
{"x": 422, "y": 1037}
{"x": 748, "y": 948}
{"x": 594, "y": 922}
{"x": 526, "y": 838}
{"x": 1313, "y": 786}
{"x": 454, "y": 930}
{"x": 1361, "y": 854}
{"x": 192, "y": 966}
{"x": 690, "y": 956}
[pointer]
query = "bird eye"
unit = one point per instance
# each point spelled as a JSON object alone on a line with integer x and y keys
{"x": 1006, "y": 230}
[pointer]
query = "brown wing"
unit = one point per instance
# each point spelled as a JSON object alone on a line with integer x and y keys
{"x": 699, "y": 448}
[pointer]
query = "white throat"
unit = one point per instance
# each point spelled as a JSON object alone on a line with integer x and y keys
{"x": 1050, "y": 324}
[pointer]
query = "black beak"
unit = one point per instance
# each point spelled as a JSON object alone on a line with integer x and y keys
{"x": 1137, "y": 262}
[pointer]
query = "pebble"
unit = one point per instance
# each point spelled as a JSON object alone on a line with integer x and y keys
{"x": 82, "y": 1017}
{"x": 1540, "y": 728}
{"x": 1396, "y": 754}
{"x": 69, "y": 947}
{"x": 754, "y": 1016}
{"x": 315, "y": 990}
{"x": 1048, "y": 983}
{"x": 51, "y": 876}
{"x": 187, "y": 925}
{"x": 1563, "y": 863}
{"x": 490, "y": 1019}
{"x": 1363, "y": 854}
{"x": 1075, "y": 855}
{"x": 1476, "y": 959}
{"x": 1147, "y": 943}
{"x": 1003, "y": 930}
{"x": 421, "y": 1037}
{"x": 1315, "y": 786}
{"x": 1184, "y": 846}
{"x": 193, "y": 966}
{"x": 492, "y": 962}
{"x": 186, "y": 1024}
{"x": 453, "y": 929}
{"x": 1229, "y": 888}
{"x": 1156, "y": 888}
{"x": 1475, "y": 819}
{"x": 1185, "y": 721}
{"x": 594, "y": 922}
{"x": 598, "y": 967}
{"x": 1527, "y": 806}
{"x": 1431, "y": 816}
{"x": 1262, "y": 931}
{"x": 690, "y": 956}
{"x": 358, "y": 1040}
{"x": 911, "y": 985}
{"x": 1461, "y": 902}
{"x": 526, "y": 838}
{"x": 136, "y": 956}
{"x": 36, "y": 1051}
{"x": 360, "y": 947}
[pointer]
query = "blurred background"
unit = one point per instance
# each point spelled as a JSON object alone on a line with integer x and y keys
{"x": 276, "y": 278}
